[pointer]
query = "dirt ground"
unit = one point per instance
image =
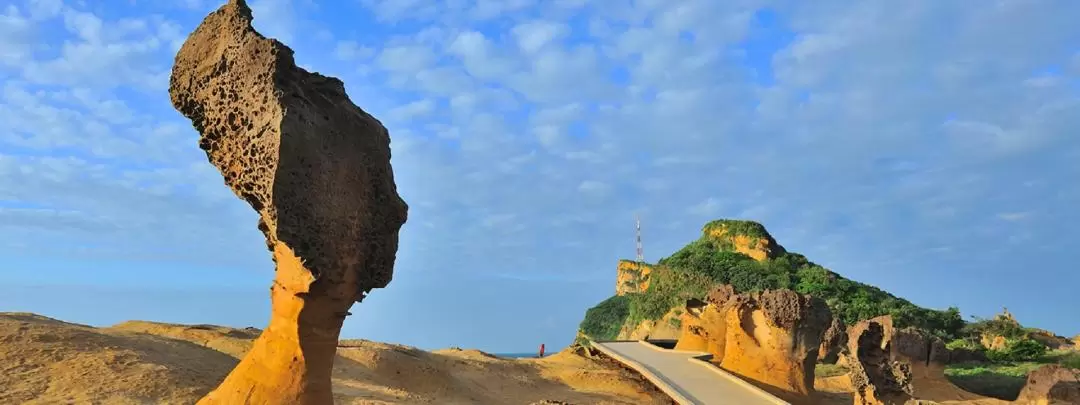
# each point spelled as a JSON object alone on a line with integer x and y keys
{"x": 46, "y": 361}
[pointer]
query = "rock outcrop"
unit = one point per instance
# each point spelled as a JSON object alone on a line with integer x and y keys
{"x": 632, "y": 277}
{"x": 746, "y": 237}
{"x": 894, "y": 366}
{"x": 1051, "y": 340}
{"x": 770, "y": 337}
{"x": 833, "y": 342}
{"x": 875, "y": 377}
{"x": 1051, "y": 384}
{"x": 317, "y": 170}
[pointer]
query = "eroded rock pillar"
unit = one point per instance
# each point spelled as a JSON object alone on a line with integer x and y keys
{"x": 317, "y": 170}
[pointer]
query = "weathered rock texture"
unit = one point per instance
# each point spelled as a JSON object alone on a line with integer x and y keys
{"x": 876, "y": 378}
{"x": 1051, "y": 340}
{"x": 746, "y": 237}
{"x": 317, "y": 170}
{"x": 1051, "y": 384}
{"x": 892, "y": 366}
{"x": 833, "y": 342}
{"x": 633, "y": 277}
{"x": 770, "y": 337}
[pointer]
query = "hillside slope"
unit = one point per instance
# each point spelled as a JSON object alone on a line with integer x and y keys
{"x": 744, "y": 255}
{"x": 46, "y": 361}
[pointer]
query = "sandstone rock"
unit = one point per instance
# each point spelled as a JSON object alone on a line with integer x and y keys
{"x": 1051, "y": 384}
{"x": 632, "y": 277}
{"x": 317, "y": 170}
{"x": 1051, "y": 340}
{"x": 876, "y": 378}
{"x": 746, "y": 237}
{"x": 770, "y": 337}
{"x": 833, "y": 342}
{"x": 993, "y": 342}
{"x": 890, "y": 365}
{"x": 667, "y": 327}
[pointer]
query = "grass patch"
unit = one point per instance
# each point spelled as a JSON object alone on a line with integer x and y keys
{"x": 1002, "y": 381}
{"x": 1005, "y": 380}
{"x": 829, "y": 370}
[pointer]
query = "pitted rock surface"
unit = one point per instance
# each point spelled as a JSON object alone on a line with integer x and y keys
{"x": 317, "y": 170}
{"x": 876, "y": 378}
{"x": 771, "y": 337}
{"x": 1051, "y": 384}
{"x": 292, "y": 144}
{"x": 833, "y": 342}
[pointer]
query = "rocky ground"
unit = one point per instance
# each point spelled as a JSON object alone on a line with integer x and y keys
{"x": 47, "y": 361}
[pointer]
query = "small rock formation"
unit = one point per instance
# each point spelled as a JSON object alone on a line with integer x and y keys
{"x": 876, "y": 378}
{"x": 894, "y": 366}
{"x": 633, "y": 277}
{"x": 1051, "y": 384}
{"x": 746, "y": 237}
{"x": 993, "y": 342}
{"x": 317, "y": 170}
{"x": 771, "y": 337}
{"x": 833, "y": 342}
{"x": 1051, "y": 340}
{"x": 667, "y": 327}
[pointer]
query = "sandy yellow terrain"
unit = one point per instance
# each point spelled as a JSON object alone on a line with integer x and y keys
{"x": 47, "y": 361}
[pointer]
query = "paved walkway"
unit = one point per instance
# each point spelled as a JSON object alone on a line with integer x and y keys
{"x": 684, "y": 376}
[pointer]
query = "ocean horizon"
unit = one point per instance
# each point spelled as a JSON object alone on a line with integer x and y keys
{"x": 519, "y": 355}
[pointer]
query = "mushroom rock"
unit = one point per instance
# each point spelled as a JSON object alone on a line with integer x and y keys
{"x": 770, "y": 337}
{"x": 833, "y": 342}
{"x": 1051, "y": 384}
{"x": 317, "y": 170}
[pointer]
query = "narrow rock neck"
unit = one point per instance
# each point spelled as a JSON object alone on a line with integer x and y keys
{"x": 292, "y": 360}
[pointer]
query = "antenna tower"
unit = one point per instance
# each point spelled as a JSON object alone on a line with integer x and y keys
{"x": 640, "y": 250}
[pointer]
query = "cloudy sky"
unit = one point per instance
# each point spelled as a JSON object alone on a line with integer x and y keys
{"x": 927, "y": 147}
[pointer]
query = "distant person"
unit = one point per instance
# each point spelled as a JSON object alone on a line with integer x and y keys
{"x": 541, "y": 350}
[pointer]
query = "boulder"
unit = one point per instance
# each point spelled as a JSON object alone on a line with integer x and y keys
{"x": 875, "y": 377}
{"x": 1051, "y": 384}
{"x": 316, "y": 169}
{"x": 895, "y": 366}
{"x": 1051, "y": 340}
{"x": 769, "y": 337}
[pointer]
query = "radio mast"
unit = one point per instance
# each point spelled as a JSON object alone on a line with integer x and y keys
{"x": 640, "y": 250}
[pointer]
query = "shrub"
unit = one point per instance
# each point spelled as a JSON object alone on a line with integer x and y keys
{"x": 603, "y": 321}
{"x": 967, "y": 344}
{"x": 1018, "y": 350}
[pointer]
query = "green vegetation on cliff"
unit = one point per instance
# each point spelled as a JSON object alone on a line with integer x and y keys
{"x": 694, "y": 269}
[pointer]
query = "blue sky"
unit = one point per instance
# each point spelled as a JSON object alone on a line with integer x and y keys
{"x": 926, "y": 147}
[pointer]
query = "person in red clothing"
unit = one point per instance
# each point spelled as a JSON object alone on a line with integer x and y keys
{"x": 541, "y": 350}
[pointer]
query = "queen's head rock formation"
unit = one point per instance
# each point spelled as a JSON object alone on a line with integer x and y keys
{"x": 770, "y": 337}
{"x": 317, "y": 170}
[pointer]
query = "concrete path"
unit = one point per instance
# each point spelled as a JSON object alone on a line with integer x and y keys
{"x": 686, "y": 376}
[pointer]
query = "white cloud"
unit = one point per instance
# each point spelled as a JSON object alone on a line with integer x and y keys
{"x": 413, "y": 110}
{"x": 406, "y": 59}
{"x": 534, "y": 35}
{"x": 881, "y": 136}
{"x": 350, "y": 50}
